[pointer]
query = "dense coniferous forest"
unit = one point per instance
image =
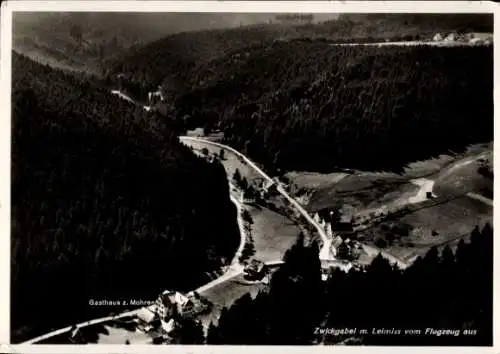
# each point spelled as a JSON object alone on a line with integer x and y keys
{"x": 354, "y": 107}
{"x": 106, "y": 203}
{"x": 444, "y": 290}
{"x": 312, "y": 106}
{"x": 174, "y": 57}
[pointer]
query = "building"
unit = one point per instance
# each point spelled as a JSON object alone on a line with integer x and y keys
{"x": 256, "y": 270}
{"x": 437, "y": 37}
{"x": 148, "y": 320}
{"x": 154, "y": 97}
{"x": 450, "y": 38}
{"x": 171, "y": 303}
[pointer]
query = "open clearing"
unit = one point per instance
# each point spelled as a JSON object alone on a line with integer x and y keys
{"x": 431, "y": 226}
{"x": 362, "y": 191}
{"x": 272, "y": 233}
{"x": 464, "y": 178}
{"x": 231, "y": 161}
{"x": 454, "y": 174}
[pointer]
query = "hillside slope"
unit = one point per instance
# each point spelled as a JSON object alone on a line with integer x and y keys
{"x": 81, "y": 40}
{"x": 171, "y": 59}
{"x": 106, "y": 204}
{"x": 311, "y": 106}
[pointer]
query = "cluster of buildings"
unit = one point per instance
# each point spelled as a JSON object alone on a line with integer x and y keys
{"x": 160, "y": 319}
{"x": 337, "y": 252}
{"x": 471, "y": 38}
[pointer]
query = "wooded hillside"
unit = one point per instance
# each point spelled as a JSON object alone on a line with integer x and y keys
{"x": 106, "y": 203}
{"x": 312, "y": 106}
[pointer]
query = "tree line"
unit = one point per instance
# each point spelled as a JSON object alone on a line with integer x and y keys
{"x": 106, "y": 203}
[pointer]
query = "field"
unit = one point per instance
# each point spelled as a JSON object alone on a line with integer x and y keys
{"x": 464, "y": 178}
{"x": 361, "y": 191}
{"x": 272, "y": 233}
{"x": 437, "y": 225}
{"x": 366, "y": 190}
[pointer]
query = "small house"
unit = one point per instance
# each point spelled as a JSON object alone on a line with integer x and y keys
{"x": 255, "y": 270}
{"x": 437, "y": 37}
{"x": 450, "y": 38}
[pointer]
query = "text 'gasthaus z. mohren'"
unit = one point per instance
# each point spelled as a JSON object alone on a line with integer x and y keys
{"x": 131, "y": 302}
{"x": 438, "y": 332}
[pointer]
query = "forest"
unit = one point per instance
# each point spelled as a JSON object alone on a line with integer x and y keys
{"x": 445, "y": 289}
{"x": 106, "y": 203}
{"x": 303, "y": 105}
{"x": 330, "y": 107}
{"x": 173, "y": 60}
